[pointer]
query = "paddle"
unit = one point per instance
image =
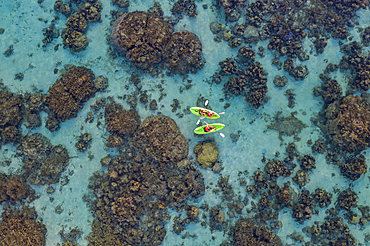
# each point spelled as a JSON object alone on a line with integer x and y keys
{"x": 205, "y": 105}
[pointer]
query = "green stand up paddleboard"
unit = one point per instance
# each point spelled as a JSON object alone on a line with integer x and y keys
{"x": 201, "y": 130}
{"x": 197, "y": 111}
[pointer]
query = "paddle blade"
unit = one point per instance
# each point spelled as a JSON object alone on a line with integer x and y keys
{"x": 222, "y": 135}
{"x": 198, "y": 121}
{"x": 221, "y": 113}
{"x": 206, "y": 103}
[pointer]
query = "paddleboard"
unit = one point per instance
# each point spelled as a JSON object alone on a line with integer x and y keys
{"x": 200, "y": 130}
{"x": 195, "y": 110}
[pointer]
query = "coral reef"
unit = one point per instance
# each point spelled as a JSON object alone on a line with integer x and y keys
{"x": 276, "y": 168}
{"x": 331, "y": 91}
{"x": 160, "y": 137}
{"x": 183, "y": 53}
{"x": 236, "y": 85}
{"x": 140, "y": 187}
{"x": 246, "y": 55}
{"x": 289, "y": 125}
{"x": 14, "y": 188}
{"x": 354, "y": 168}
{"x": 74, "y": 40}
{"x": 228, "y": 67}
{"x": 184, "y": 7}
{"x": 91, "y": 12}
{"x": 125, "y": 209}
{"x": 77, "y": 22}
{"x": 322, "y": 197}
{"x": 142, "y": 37}
{"x": 17, "y": 230}
{"x": 42, "y": 161}
{"x": 232, "y": 9}
{"x": 68, "y": 93}
{"x": 332, "y": 231}
{"x": 301, "y": 177}
{"x": 249, "y": 232}
{"x": 347, "y": 199}
{"x": 257, "y": 87}
{"x": 308, "y": 163}
{"x": 83, "y": 142}
{"x": 11, "y": 113}
{"x": 119, "y": 121}
{"x": 348, "y": 124}
{"x": 146, "y": 39}
{"x": 280, "y": 81}
{"x": 207, "y": 153}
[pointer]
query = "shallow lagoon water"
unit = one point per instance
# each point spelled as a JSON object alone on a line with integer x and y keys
{"x": 23, "y": 22}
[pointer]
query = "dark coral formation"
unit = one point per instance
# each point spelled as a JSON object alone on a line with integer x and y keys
{"x": 232, "y": 9}
{"x": 280, "y": 81}
{"x": 11, "y": 113}
{"x": 77, "y": 22}
{"x": 302, "y": 210}
{"x": 322, "y": 197}
{"x": 43, "y": 162}
{"x": 250, "y": 83}
{"x": 73, "y": 36}
{"x": 257, "y": 87}
{"x": 63, "y": 8}
{"x": 276, "y": 168}
{"x": 228, "y": 67}
{"x": 246, "y": 55}
{"x": 354, "y": 168}
{"x": 249, "y": 232}
{"x": 358, "y": 64}
{"x": 331, "y": 91}
{"x": 14, "y": 188}
{"x": 207, "y": 153}
{"x": 308, "y": 163}
{"x": 68, "y": 93}
{"x": 301, "y": 178}
{"x": 126, "y": 209}
{"x": 119, "y": 121}
{"x": 183, "y": 53}
{"x": 146, "y": 40}
{"x": 18, "y": 230}
{"x": 348, "y": 124}
{"x": 160, "y": 137}
{"x": 333, "y": 231}
{"x": 185, "y": 7}
{"x": 236, "y": 85}
{"x": 366, "y": 36}
{"x": 142, "y": 37}
{"x": 83, "y": 142}
{"x": 132, "y": 199}
{"x": 74, "y": 40}
{"x": 347, "y": 200}
{"x": 91, "y": 12}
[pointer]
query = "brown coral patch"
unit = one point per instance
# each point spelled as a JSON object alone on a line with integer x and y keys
{"x": 125, "y": 209}
{"x": 350, "y": 130}
{"x": 19, "y": 231}
{"x": 160, "y": 137}
{"x": 120, "y": 121}
{"x": 184, "y": 53}
{"x": 142, "y": 37}
{"x": 69, "y": 92}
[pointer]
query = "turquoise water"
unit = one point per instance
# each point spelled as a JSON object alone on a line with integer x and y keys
{"x": 23, "y": 23}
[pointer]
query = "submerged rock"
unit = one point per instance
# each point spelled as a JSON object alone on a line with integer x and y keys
{"x": 207, "y": 153}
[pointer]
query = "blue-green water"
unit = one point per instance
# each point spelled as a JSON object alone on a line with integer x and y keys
{"x": 23, "y": 23}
